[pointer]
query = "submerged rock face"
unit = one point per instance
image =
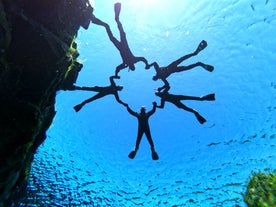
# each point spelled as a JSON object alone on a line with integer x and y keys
{"x": 37, "y": 58}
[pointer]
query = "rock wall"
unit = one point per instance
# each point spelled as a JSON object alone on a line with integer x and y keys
{"x": 37, "y": 58}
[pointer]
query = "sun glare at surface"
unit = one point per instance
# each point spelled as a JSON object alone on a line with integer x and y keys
{"x": 92, "y": 3}
{"x": 142, "y": 5}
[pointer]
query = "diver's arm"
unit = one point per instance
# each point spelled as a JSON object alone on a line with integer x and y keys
{"x": 166, "y": 86}
{"x": 155, "y": 65}
{"x": 162, "y": 104}
{"x": 153, "y": 109}
{"x": 118, "y": 99}
{"x": 112, "y": 82}
{"x": 133, "y": 113}
{"x": 85, "y": 88}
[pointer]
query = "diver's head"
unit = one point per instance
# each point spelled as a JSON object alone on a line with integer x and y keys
{"x": 143, "y": 109}
{"x": 155, "y": 78}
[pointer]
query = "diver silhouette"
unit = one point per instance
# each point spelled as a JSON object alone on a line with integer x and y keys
{"x": 128, "y": 58}
{"x": 143, "y": 127}
{"x": 102, "y": 91}
{"x": 176, "y": 100}
{"x": 164, "y": 72}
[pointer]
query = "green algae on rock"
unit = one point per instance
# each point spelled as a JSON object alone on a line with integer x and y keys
{"x": 261, "y": 190}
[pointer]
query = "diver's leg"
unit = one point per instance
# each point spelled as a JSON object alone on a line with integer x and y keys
{"x": 196, "y": 98}
{"x": 79, "y": 106}
{"x": 84, "y": 88}
{"x": 132, "y": 154}
{"x": 112, "y": 38}
{"x": 97, "y": 21}
{"x": 148, "y": 135}
{"x": 209, "y": 97}
{"x": 117, "y": 10}
{"x": 209, "y": 68}
{"x": 200, "y": 47}
{"x": 154, "y": 154}
{"x": 139, "y": 138}
{"x": 121, "y": 31}
{"x": 175, "y": 63}
{"x": 198, "y": 116}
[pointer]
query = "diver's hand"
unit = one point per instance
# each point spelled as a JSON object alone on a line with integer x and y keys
{"x": 154, "y": 103}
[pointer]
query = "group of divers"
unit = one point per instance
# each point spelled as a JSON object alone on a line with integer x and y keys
{"x": 162, "y": 73}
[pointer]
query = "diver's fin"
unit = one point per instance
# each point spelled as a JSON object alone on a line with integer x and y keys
{"x": 202, "y": 45}
{"x": 209, "y": 97}
{"x": 209, "y": 68}
{"x": 132, "y": 154}
{"x": 200, "y": 118}
{"x": 117, "y": 10}
{"x": 78, "y": 107}
{"x": 154, "y": 155}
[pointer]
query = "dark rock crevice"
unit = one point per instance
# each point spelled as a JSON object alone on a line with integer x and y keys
{"x": 37, "y": 58}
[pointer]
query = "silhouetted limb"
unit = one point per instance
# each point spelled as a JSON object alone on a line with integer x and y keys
{"x": 209, "y": 97}
{"x": 120, "y": 67}
{"x": 142, "y": 59}
{"x": 154, "y": 155}
{"x": 198, "y": 116}
{"x": 84, "y": 88}
{"x": 97, "y": 21}
{"x": 118, "y": 88}
{"x": 102, "y": 91}
{"x": 132, "y": 154}
{"x": 202, "y": 45}
{"x": 166, "y": 87}
{"x": 176, "y": 100}
{"x": 164, "y": 72}
{"x": 128, "y": 58}
{"x": 209, "y": 68}
{"x": 121, "y": 45}
{"x": 79, "y": 106}
{"x": 117, "y": 10}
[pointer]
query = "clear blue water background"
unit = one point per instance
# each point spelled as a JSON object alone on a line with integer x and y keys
{"x": 84, "y": 160}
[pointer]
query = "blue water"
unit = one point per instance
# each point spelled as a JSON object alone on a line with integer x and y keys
{"x": 84, "y": 160}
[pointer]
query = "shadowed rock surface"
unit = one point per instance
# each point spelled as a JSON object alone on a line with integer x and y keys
{"x": 37, "y": 58}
